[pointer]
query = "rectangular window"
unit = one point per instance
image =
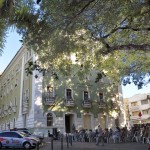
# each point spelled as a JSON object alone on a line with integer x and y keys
{"x": 143, "y": 102}
{"x": 49, "y": 91}
{"x": 49, "y": 119}
{"x": 27, "y": 94}
{"x": 135, "y": 113}
{"x": 16, "y": 83}
{"x": 101, "y": 96}
{"x": 86, "y": 95}
{"x": 134, "y": 104}
{"x": 145, "y": 112}
{"x": 68, "y": 93}
{"x": 17, "y": 68}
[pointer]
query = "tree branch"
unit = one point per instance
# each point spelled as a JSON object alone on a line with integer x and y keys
{"x": 125, "y": 28}
{"x": 81, "y": 11}
{"x": 144, "y": 47}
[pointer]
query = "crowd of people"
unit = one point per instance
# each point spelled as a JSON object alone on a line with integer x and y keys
{"x": 139, "y": 134}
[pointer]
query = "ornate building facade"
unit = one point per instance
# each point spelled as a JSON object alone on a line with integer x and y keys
{"x": 41, "y": 103}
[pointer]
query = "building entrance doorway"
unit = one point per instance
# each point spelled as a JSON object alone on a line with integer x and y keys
{"x": 69, "y": 120}
{"x": 87, "y": 121}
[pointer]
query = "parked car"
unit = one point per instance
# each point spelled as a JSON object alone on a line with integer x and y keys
{"x": 15, "y": 139}
{"x": 31, "y": 135}
{"x": 26, "y": 131}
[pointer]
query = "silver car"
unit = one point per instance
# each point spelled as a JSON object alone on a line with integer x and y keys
{"x": 14, "y": 139}
{"x": 32, "y": 135}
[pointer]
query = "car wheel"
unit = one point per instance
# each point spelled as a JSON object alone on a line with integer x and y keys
{"x": 26, "y": 145}
{"x": 1, "y": 145}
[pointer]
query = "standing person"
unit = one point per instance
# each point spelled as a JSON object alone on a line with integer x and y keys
{"x": 100, "y": 136}
{"x": 49, "y": 135}
{"x": 106, "y": 135}
{"x": 73, "y": 128}
{"x": 73, "y": 132}
{"x": 110, "y": 134}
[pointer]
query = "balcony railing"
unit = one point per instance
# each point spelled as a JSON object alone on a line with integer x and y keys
{"x": 49, "y": 100}
{"x": 25, "y": 105}
{"x": 69, "y": 102}
{"x": 14, "y": 108}
{"x": 86, "y": 104}
{"x": 134, "y": 107}
{"x": 9, "y": 110}
{"x": 102, "y": 104}
{"x": 134, "y": 117}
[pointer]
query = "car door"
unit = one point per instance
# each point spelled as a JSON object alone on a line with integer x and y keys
{"x": 6, "y": 139}
{"x": 16, "y": 140}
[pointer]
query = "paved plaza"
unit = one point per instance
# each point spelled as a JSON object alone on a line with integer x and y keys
{"x": 92, "y": 146}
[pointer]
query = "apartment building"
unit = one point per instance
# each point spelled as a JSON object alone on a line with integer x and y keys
{"x": 41, "y": 103}
{"x": 139, "y": 108}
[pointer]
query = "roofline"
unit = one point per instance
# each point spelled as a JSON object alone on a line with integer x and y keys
{"x": 11, "y": 60}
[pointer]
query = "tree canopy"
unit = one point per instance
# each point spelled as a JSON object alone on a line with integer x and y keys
{"x": 109, "y": 36}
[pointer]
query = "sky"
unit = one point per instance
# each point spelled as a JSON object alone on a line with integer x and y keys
{"x": 13, "y": 45}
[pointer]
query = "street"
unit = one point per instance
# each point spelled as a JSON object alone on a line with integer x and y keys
{"x": 91, "y": 146}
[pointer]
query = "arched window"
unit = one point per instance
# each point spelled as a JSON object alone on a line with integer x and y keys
{"x": 49, "y": 119}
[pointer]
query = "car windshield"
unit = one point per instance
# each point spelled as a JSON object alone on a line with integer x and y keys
{"x": 23, "y": 134}
{"x": 27, "y": 132}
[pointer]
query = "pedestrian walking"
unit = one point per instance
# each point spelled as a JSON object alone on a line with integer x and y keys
{"x": 100, "y": 137}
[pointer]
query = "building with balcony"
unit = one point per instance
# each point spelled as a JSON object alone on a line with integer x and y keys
{"x": 41, "y": 103}
{"x": 139, "y": 104}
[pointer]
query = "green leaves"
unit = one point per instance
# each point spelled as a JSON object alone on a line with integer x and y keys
{"x": 111, "y": 37}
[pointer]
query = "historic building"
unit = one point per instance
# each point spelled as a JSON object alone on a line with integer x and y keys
{"x": 41, "y": 103}
{"x": 139, "y": 109}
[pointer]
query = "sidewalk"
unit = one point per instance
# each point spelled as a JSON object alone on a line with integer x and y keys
{"x": 92, "y": 146}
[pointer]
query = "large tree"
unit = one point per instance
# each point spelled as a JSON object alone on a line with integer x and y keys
{"x": 109, "y": 36}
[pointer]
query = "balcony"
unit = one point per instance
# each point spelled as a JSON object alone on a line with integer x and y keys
{"x": 25, "y": 105}
{"x": 9, "y": 110}
{"x": 102, "y": 104}
{"x": 14, "y": 108}
{"x": 49, "y": 101}
{"x": 86, "y": 104}
{"x": 134, "y": 107}
{"x": 135, "y": 117}
{"x": 69, "y": 102}
{"x": 49, "y": 98}
{"x": 145, "y": 106}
